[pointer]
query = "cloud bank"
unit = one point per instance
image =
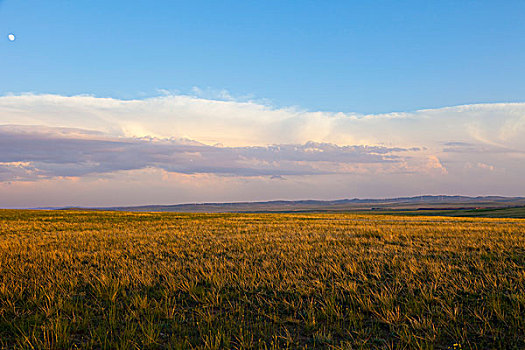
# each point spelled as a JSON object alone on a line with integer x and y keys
{"x": 251, "y": 124}
{"x": 31, "y": 153}
{"x": 216, "y": 148}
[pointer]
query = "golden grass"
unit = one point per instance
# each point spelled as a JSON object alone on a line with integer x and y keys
{"x": 150, "y": 280}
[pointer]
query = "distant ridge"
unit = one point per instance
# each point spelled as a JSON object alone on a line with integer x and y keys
{"x": 426, "y": 202}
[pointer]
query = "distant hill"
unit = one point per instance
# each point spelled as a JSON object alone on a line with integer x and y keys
{"x": 423, "y": 205}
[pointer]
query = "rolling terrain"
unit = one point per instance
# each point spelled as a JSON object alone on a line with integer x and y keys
{"x": 489, "y": 206}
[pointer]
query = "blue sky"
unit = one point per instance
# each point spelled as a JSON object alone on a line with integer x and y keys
{"x": 133, "y": 102}
{"x": 344, "y": 56}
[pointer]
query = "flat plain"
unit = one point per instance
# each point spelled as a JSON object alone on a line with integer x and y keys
{"x": 120, "y": 280}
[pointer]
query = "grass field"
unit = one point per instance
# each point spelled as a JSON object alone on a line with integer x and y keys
{"x": 338, "y": 281}
{"x": 512, "y": 212}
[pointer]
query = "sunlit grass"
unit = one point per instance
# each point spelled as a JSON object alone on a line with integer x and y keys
{"x": 147, "y": 280}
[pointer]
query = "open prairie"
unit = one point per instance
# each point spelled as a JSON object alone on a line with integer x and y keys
{"x": 74, "y": 279}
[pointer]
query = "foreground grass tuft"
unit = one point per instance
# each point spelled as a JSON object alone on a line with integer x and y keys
{"x": 265, "y": 281}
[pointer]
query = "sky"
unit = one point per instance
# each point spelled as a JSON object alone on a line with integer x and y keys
{"x": 132, "y": 102}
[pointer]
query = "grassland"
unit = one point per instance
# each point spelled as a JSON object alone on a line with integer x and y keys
{"x": 510, "y": 213}
{"x": 338, "y": 281}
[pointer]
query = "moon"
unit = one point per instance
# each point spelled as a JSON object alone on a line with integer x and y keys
{"x": 11, "y": 37}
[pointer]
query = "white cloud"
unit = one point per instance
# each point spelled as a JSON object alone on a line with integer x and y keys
{"x": 251, "y": 124}
{"x": 467, "y": 149}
